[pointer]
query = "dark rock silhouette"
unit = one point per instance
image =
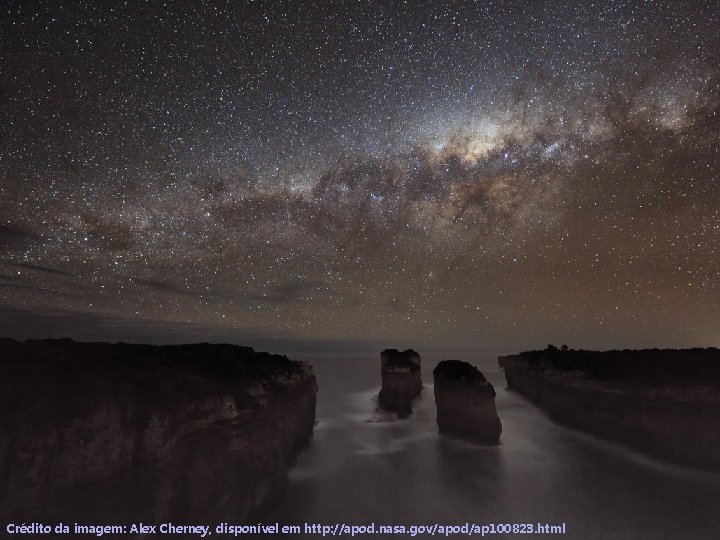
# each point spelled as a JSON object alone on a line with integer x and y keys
{"x": 465, "y": 402}
{"x": 401, "y": 380}
{"x": 663, "y": 402}
{"x": 106, "y": 432}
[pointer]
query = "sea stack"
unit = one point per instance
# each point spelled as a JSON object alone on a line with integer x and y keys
{"x": 465, "y": 402}
{"x": 401, "y": 380}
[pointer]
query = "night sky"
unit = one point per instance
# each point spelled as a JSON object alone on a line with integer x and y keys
{"x": 485, "y": 176}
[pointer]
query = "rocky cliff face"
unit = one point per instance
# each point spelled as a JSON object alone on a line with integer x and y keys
{"x": 401, "y": 380}
{"x": 106, "y": 432}
{"x": 663, "y": 402}
{"x": 465, "y": 402}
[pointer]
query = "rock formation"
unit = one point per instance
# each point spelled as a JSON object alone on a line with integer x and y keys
{"x": 663, "y": 402}
{"x": 465, "y": 402}
{"x": 106, "y": 432}
{"x": 401, "y": 380}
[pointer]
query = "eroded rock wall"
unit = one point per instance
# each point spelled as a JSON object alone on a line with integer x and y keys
{"x": 678, "y": 422}
{"x": 100, "y": 431}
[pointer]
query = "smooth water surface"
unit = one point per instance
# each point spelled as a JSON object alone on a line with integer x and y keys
{"x": 366, "y": 466}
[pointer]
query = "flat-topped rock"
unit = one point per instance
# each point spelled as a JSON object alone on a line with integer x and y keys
{"x": 664, "y": 402}
{"x": 465, "y": 402}
{"x": 104, "y": 432}
{"x": 401, "y": 380}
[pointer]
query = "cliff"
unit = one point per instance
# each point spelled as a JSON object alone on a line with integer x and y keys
{"x": 465, "y": 402}
{"x": 663, "y": 402}
{"x": 107, "y": 432}
{"x": 401, "y": 380}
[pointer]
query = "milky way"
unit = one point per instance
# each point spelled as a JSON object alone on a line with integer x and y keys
{"x": 486, "y": 176}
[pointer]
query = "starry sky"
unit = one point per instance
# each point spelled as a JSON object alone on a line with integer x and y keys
{"x": 340, "y": 176}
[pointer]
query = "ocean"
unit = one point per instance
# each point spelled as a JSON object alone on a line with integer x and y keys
{"x": 365, "y": 466}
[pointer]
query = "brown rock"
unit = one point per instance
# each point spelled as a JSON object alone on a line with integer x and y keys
{"x": 103, "y": 432}
{"x": 664, "y": 402}
{"x": 401, "y": 380}
{"x": 465, "y": 402}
